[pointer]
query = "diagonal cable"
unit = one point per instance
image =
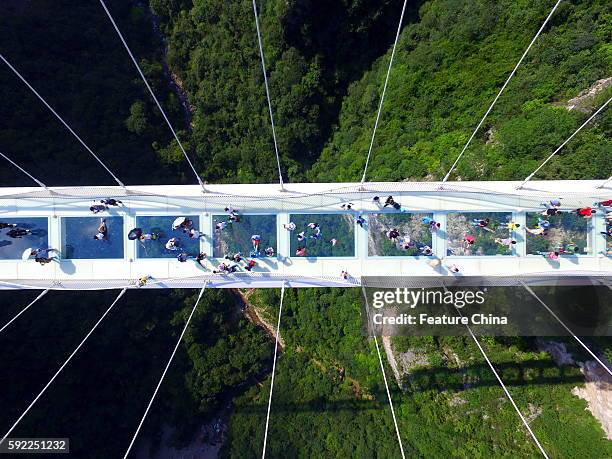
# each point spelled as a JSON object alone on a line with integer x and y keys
{"x": 41, "y": 184}
{"x": 178, "y": 342}
{"x": 501, "y": 91}
{"x": 599, "y": 110}
{"x": 605, "y": 367}
{"x": 382, "y": 368}
{"x": 16, "y": 72}
{"x": 62, "y": 367}
{"x": 263, "y": 66}
{"x": 280, "y": 311}
{"x": 43, "y": 293}
{"x": 605, "y": 183}
{"x": 382, "y": 97}
{"x": 127, "y": 48}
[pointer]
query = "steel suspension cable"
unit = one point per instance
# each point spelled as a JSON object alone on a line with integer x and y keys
{"x": 62, "y": 367}
{"x": 41, "y": 184}
{"x": 500, "y": 92}
{"x": 43, "y": 293}
{"x": 178, "y": 342}
{"x": 599, "y": 110}
{"x": 382, "y": 97}
{"x": 605, "y": 367}
{"x": 382, "y": 368}
{"x": 263, "y": 66}
{"x": 605, "y": 183}
{"x": 16, "y": 72}
{"x": 127, "y": 48}
{"x": 280, "y": 311}
{"x": 525, "y": 423}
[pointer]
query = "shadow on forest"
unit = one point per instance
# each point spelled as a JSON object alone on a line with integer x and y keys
{"x": 440, "y": 379}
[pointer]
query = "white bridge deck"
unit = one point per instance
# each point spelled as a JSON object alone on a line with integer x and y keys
{"x": 304, "y": 198}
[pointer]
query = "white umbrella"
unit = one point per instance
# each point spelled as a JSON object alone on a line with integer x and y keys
{"x": 27, "y": 253}
{"x": 178, "y": 221}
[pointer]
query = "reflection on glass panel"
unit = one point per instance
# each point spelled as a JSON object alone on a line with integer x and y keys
{"x": 480, "y": 233}
{"x": 237, "y": 236}
{"x": 413, "y": 234}
{"x": 323, "y": 235}
{"x": 19, "y": 234}
{"x": 155, "y": 232}
{"x": 564, "y": 233}
{"x": 92, "y": 237}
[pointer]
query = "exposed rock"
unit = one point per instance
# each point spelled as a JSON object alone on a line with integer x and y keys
{"x": 597, "y": 391}
{"x": 557, "y": 351}
{"x": 534, "y": 412}
{"x": 456, "y": 400}
{"x": 582, "y": 101}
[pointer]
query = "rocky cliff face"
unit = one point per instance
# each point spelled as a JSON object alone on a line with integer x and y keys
{"x": 598, "y": 393}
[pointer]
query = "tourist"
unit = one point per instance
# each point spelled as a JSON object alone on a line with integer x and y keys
{"x": 585, "y": 212}
{"x": 220, "y": 225}
{"x": 510, "y": 225}
{"x": 256, "y": 239}
{"x": 426, "y": 250}
{"x": 250, "y": 265}
{"x": 173, "y": 243}
{"x": 333, "y": 241}
{"x": 234, "y": 219}
{"x": 182, "y": 257}
{"x": 360, "y": 221}
{"x": 537, "y": 230}
{"x": 43, "y": 260}
{"x": 269, "y": 251}
{"x": 606, "y": 203}
{"x": 98, "y": 208}
{"x": 148, "y": 237}
{"x": 482, "y": 223}
{"x": 111, "y": 202}
{"x": 347, "y": 206}
{"x": 200, "y": 259}
{"x": 553, "y": 255}
{"x": 468, "y": 240}
{"x": 393, "y": 234}
{"x": 313, "y": 226}
{"x": 427, "y": 220}
{"x": 608, "y": 232}
{"x": 7, "y": 225}
{"x": 301, "y": 236}
{"x": 508, "y": 242}
{"x": 406, "y": 243}
{"x": 376, "y": 200}
{"x": 102, "y": 234}
{"x": 344, "y": 275}
{"x": 391, "y": 202}
{"x": 550, "y": 212}
{"x": 221, "y": 269}
{"x": 237, "y": 257}
{"x": 300, "y": 252}
{"x": 434, "y": 226}
{"x": 194, "y": 234}
{"x": 289, "y": 226}
{"x": 143, "y": 281}
{"x": 543, "y": 223}
{"x": 453, "y": 268}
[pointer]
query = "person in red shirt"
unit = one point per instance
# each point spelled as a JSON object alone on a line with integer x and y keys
{"x": 469, "y": 240}
{"x": 585, "y": 212}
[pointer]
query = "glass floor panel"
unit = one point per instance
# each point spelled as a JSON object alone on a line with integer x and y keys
{"x": 460, "y": 225}
{"x": 408, "y": 224}
{"x": 236, "y": 237}
{"x": 13, "y": 248}
{"x": 338, "y": 227}
{"x": 78, "y": 241}
{"x": 566, "y": 233}
{"x": 161, "y": 227}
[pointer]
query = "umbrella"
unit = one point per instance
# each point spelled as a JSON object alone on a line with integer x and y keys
{"x": 178, "y": 221}
{"x": 135, "y": 234}
{"x": 27, "y": 253}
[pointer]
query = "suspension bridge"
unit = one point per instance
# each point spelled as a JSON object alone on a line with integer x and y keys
{"x": 315, "y": 234}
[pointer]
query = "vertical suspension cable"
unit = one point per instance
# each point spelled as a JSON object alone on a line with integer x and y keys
{"x": 605, "y": 367}
{"x": 178, "y": 342}
{"x": 127, "y": 48}
{"x": 382, "y": 368}
{"x": 599, "y": 110}
{"x": 263, "y": 66}
{"x": 43, "y": 293}
{"x": 63, "y": 366}
{"x": 280, "y": 311}
{"x": 501, "y": 91}
{"x": 41, "y": 184}
{"x": 61, "y": 120}
{"x": 382, "y": 97}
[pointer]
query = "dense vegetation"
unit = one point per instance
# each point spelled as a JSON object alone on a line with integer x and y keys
{"x": 326, "y": 67}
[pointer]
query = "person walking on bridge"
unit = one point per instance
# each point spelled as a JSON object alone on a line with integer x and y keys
{"x": 7, "y": 225}
{"x": 102, "y": 234}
